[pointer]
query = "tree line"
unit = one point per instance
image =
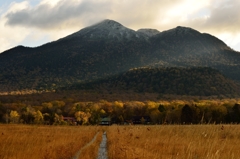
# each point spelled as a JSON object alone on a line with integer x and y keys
{"x": 90, "y": 113}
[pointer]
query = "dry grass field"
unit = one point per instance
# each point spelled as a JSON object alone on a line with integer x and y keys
{"x": 174, "y": 142}
{"x": 47, "y": 142}
{"x": 124, "y": 142}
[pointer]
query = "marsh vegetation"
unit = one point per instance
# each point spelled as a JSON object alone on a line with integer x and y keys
{"x": 128, "y": 142}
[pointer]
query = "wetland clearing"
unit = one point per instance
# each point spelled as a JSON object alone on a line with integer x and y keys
{"x": 129, "y": 142}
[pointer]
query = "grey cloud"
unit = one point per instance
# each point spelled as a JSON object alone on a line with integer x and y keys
{"x": 47, "y": 17}
{"x": 144, "y": 12}
{"x": 224, "y": 17}
{"x": 68, "y": 14}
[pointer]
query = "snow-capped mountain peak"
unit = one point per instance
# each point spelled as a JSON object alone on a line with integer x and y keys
{"x": 108, "y": 29}
{"x": 108, "y": 24}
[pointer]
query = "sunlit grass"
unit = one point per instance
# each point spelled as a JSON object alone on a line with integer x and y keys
{"x": 91, "y": 152}
{"x": 43, "y": 142}
{"x": 174, "y": 141}
{"x": 124, "y": 142}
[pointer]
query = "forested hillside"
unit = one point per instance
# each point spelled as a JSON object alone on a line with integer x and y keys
{"x": 178, "y": 81}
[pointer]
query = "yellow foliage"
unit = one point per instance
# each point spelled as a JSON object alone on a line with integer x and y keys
{"x": 14, "y": 116}
{"x": 82, "y": 116}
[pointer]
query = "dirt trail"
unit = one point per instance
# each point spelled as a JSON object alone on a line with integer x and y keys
{"x": 76, "y": 156}
{"x": 102, "y": 152}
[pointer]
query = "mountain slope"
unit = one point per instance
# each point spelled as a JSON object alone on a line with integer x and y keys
{"x": 179, "y": 81}
{"x": 109, "y": 48}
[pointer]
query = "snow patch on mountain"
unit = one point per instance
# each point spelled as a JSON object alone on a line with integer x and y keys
{"x": 181, "y": 31}
{"x": 109, "y": 29}
{"x": 149, "y": 32}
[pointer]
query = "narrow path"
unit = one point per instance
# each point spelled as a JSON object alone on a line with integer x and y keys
{"x": 76, "y": 156}
{"x": 102, "y": 152}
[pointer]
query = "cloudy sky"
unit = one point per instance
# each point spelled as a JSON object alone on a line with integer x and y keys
{"x": 35, "y": 22}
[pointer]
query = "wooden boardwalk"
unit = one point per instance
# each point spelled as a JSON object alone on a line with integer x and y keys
{"x": 102, "y": 152}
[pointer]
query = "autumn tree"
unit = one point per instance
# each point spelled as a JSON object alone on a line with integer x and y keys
{"x": 27, "y": 115}
{"x": 58, "y": 119}
{"x": 117, "y": 113}
{"x": 38, "y": 117}
{"x": 82, "y": 117}
{"x": 14, "y": 116}
{"x": 95, "y": 113}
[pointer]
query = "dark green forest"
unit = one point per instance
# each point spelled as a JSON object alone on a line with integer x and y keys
{"x": 199, "y": 81}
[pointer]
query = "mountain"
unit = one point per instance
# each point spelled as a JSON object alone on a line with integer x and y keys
{"x": 109, "y": 48}
{"x": 196, "y": 81}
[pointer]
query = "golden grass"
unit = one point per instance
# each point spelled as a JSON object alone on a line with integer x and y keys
{"x": 124, "y": 142}
{"x": 91, "y": 152}
{"x": 43, "y": 142}
{"x": 174, "y": 141}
